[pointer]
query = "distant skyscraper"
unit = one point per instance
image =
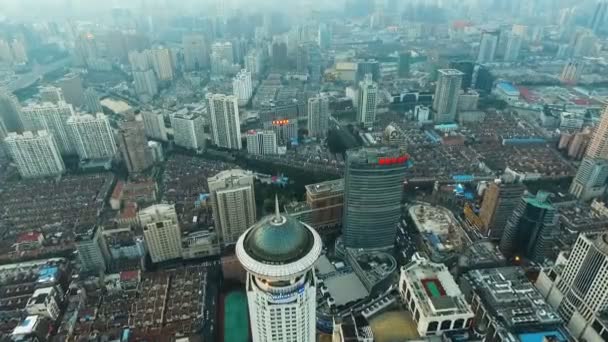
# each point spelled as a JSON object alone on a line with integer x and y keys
{"x": 189, "y": 131}
{"x": 154, "y": 124}
{"x": 242, "y": 87}
{"x": 467, "y": 68}
{"x": 253, "y": 62}
{"x": 133, "y": 144}
{"x": 160, "y": 59}
{"x": 445, "y": 102}
{"x": 513, "y": 47}
{"x": 572, "y": 72}
{"x": 10, "y": 111}
{"x": 488, "y": 46}
{"x": 405, "y": 58}
{"x": 279, "y": 55}
{"x": 318, "y": 116}
{"x": 19, "y": 51}
{"x": 372, "y": 200}
{"x": 599, "y": 16}
{"x": 279, "y": 254}
{"x": 92, "y": 136}
{"x": 225, "y": 121}
{"x": 584, "y": 44}
{"x": 139, "y": 61}
{"x": 324, "y": 38}
{"x": 53, "y": 118}
{"x": 162, "y": 233}
{"x": 51, "y": 94}
{"x": 146, "y": 85}
{"x": 590, "y": 180}
{"x": 73, "y": 92}
{"x": 233, "y": 201}
{"x": 499, "y": 201}
{"x": 92, "y": 250}
{"x": 261, "y": 142}
{"x": 36, "y": 154}
{"x": 92, "y": 100}
{"x": 365, "y": 67}
{"x": 530, "y": 229}
{"x": 367, "y": 102}
{"x": 196, "y": 55}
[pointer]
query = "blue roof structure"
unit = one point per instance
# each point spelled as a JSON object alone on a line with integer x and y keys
{"x": 47, "y": 274}
{"x": 508, "y": 88}
{"x": 540, "y": 336}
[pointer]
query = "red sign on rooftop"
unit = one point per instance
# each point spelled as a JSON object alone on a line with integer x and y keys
{"x": 393, "y": 160}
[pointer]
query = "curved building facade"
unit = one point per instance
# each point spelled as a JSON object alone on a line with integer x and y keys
{"x": 279, "y": 253}
{"x": 372, "y": 197}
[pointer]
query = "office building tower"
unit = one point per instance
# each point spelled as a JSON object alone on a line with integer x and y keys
{"x": 132, "y": 143}
{"x": 73, "y": 92}
{"x": 189, "y": 131}
{"x": 598, "y": 17}
{"x": 162, "y": 233}
{"x": 584, "y": 44}
{"x": 318, "y": 116}
{"x": 139, "y": 61}
{"x": 499, "y": 202}
{"x": 572, "y": 72}
{"x": 36, "y": 154}
{"x": 160, "y": 59}
{"x": 19, "y": 52}
{"x": 146, "y": 86}
{"x": 372, "y": 197}
{"x": 92, "y": 101}
{"x": 286, "y": 130}
{"x": 52, "y": 118}
{"x": 405, "y": 58}
{"x": 530, "y": 229}
{"x": 577, "y": 286}
{"x": 279, "y": 254}
{"x": 367, "y": 102}
{"x": 225, "y": 121}
{"x": 51, "y": 94}
{"x": 324, "y": 37}
{"x": 279, "y": 55}
{"x": 467, "y": 68}
{"x": 262, "y": 142}
{"x": 10, "y": 111}
{"x": 488, "y": 46}
{"x": 224, "y": 51}
{"x": 366, "y": 67}
{"x": 92, "y": 136}
{"x": 513, "y": 47}
{"x": 233, "y": 201}
{"x": 92, "y": 249}
{"x": 445, "y": 102}
{"x": 253, "y": 62}
{"x": 242, "y": 87}
{"x": 196, "y": 55}
{"x": 154, "y": 125}
{"x": 590, "y": 179}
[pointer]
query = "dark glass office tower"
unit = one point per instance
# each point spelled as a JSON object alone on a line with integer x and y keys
{"x": 372, "y": 197}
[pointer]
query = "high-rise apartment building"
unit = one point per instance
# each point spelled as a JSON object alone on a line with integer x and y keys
{"x": 92, "y": 136}
{"x": 145, "y": 82}
{"x": 590, "y": 179}
{"x": 261, "y": 142}
{"x": 233, "y": 201}
{"x": 73, "y": 91}
{"x": 279, "y": 254}
{"x": 189, "y": 131}
{"x": 133, "y": 145}
{"x": 92, "y": 250}
{"x": 445, "y": 103}
{"x": 253, "y": 62}
{"x": 488, "y": 46}
{"x": 513, "y": 47}
{"x": 50, "y": 117}
{"x": 242, "y": 87}
{"x": 196, "y": 55}
{"x": 577, "y": 286}
{"x": 373, "y": 186}
{"x": 367, "y": 101}
{"x": 222, "y": 57}
{"x": 318, "y": 116}
{"x": 19, "y": 51}
{"x": 36, "y": 154}
{"x": 10, "y": 111}
{"x": 598, "y": 18}
{"x": 162, "y": 233}
{"x": 499, "y": 202}
{"x": 160, "y": 59}
{"x": 92, "y": 101}
{"x": 571, "y": 72}
{"x": 154, "y": 125}
{"x": 225, "y": 121}
{"x": 530, "y": 229}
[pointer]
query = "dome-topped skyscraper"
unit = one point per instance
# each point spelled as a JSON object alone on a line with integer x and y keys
{"x": 279, "y": 253}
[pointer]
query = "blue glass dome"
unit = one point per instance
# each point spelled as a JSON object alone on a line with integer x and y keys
{"x": 278, "y": 240}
